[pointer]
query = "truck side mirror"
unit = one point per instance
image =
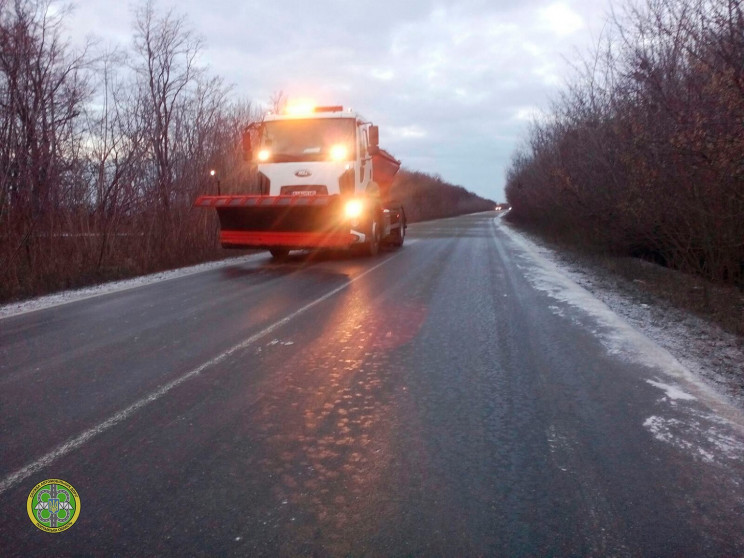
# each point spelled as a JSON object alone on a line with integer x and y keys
{"x": 374, "y": 140}
{"x": 247, "y": 148}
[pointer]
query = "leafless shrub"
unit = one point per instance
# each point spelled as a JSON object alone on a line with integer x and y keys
{"x": 644, "y": 152}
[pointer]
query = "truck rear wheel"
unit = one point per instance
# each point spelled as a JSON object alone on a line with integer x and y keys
{"x": 398, "y": 235}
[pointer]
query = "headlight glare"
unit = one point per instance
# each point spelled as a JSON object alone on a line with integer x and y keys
{"x": 339, "y": 152}
{"x": 354, "y": 209}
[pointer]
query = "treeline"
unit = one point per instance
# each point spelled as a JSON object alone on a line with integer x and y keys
{"x": 103, "y": 150}
{"x": 643, "y": 154}
{"x": 429, "y": 197}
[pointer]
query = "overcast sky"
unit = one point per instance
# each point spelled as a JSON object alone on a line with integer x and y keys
{"x": 452, "y": 84}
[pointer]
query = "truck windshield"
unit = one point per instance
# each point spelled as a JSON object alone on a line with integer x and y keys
{"x": 311, "y": 139}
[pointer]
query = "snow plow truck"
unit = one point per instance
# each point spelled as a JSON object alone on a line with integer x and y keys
{"x": 323, "y": 182}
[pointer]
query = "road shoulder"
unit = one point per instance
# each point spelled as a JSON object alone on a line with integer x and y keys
{"x": 635, "y": 290}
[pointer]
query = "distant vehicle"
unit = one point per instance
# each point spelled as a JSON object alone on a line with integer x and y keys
{"x": 324, "y": 182}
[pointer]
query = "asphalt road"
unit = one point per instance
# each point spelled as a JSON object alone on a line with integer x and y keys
{"x": 455, "y": 397}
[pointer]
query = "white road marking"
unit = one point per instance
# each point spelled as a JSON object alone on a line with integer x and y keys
{"x": 79, "y": 440}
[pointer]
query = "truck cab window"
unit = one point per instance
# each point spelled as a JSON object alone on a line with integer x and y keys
{"x": 310, "y": 139}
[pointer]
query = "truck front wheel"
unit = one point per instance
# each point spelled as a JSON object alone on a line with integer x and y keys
{"x": 372, "y": 246}
{"x": 279, "y": 253}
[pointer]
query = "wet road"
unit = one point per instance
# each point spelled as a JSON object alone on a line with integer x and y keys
{"x": 456, "y": 397}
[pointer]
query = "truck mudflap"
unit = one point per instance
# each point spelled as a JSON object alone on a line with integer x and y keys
{"x": 295, "y": 222}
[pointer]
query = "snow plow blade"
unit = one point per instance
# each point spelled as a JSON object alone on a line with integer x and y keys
{"x": 296, "y": 222}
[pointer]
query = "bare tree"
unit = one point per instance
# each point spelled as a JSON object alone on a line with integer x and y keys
{"x": 116, "y": 152}
{"x": 168, "y": 75}
{"x": 42, "y": 89}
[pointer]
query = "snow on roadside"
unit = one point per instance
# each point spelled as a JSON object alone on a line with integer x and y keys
{"x": 672, "y": 392}
{"x": 65, "y": 297}
{"x": 666, "y": 339}
{"x": 702, "y": 348}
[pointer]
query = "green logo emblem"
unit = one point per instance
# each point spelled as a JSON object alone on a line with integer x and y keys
{"x": 53, "y": 505}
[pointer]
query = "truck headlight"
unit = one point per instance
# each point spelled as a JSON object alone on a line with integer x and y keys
{"x": 354, "y": 209}
{"x": 264, "y": 155}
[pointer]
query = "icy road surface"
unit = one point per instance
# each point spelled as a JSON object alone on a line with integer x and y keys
{"x": 459, "y": 397}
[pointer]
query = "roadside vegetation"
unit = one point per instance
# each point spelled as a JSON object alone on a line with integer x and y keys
{"x": 103, "y": 151}
{"x": 426, "y": 197}
{"x": 643, "y": 153}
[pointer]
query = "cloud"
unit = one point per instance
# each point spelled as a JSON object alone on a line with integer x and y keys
{"x": 561, "y": 19}
{"x": 406, "y": 132}
{"x": 452, "y": 84}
